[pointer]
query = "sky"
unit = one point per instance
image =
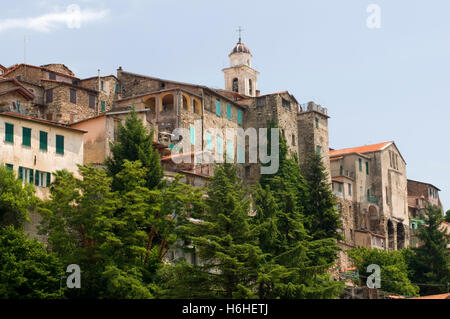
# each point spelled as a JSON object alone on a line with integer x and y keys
{"x": 383, "y": 83}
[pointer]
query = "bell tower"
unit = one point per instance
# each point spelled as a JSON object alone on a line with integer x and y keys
{"x": 240, "y": 77}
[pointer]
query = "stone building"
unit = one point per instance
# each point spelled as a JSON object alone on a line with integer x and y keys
{"x": 373, "y": 194}
{"x": 61, "y": 96}
{"x": 420, "y": 195}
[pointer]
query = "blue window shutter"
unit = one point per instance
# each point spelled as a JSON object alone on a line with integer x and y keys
{"x": 230, "y": 149}
{"x": 239, "y": 113}
{"x": 218, "y": 108}
{"x": 208, "y": 141}
{"x": 240, "y": 154}
{"x": 229, "y": 111}
{"x": 219, "y": 145}
{"x": 192, "y": 134}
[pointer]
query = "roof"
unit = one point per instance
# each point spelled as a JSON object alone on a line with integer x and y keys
{"x": 70, "y": 84}
{"x": 441, "y": 296}
{"x": 361, "y": 149}
{"x": 41, "y": 121}
{"x": 19, "y": 87}
{"x": 424, "y": 183}
{"x": 14, "y": 67}
{"x": 240, "y": 48}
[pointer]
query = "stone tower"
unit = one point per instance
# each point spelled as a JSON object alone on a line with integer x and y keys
{"x": 240, "y": 77}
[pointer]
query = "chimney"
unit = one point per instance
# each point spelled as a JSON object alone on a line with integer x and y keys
{"x": 119, "y": 72}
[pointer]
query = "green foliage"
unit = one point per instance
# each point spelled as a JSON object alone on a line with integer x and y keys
{"x": 226, "y": 243}
{"x": 26, "y": 269}
{"x": 323, "y": 220}
{"x": 15, "y": 199}
{"x": 430, "y": 262}
{"x": 393, "y": 266}
{"x": 135, "y": 143}
{"x": 447, "y": 216}
{"x": 295, "y": 264}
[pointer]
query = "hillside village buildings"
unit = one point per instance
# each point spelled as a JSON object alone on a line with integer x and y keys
{"x": 370, "y": 182}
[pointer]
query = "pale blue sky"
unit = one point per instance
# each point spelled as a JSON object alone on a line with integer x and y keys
{"x": 379, "y": 85}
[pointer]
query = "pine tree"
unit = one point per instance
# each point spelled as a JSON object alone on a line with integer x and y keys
{"x": 430, "y": 261}
{"x": 323, "y": 220}
{"x": 295, "y": 265}
{"x": 135, "y": 143}
{"x": 226, "y": 243}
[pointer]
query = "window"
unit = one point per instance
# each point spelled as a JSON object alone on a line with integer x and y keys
{"x": 26, "y": 136}
{"x": 230, "y": 149}
{"x": 43, "y": 137}
{"x": 208, "y": 141}
{"x": 25, "y": 174}
{"x": 59, "y": 144}
{"x": 240, "y": 154}
{"x": 317, "y": 122}
{"x": 42, "y": 179}
{"x": 293, "y": 139}
{"x": 92, "y": 101}
{"x": 360, "y": 164}
{"x": 239, "y": 113}
{"x": 9, "y": 166}
{"x": 319, "y": 149}
{"x": 350, "y": 189}
{"x": 192, "y": 134}
{"x": 235, "y": 86}
{"x": 250, "y": 87}
{"x": 9, "y": 133}
{"x": 286, "y": 103}
{"x": 219, "y": 145}
{"x": 52, "y": 76}
{"x": 103, "y": 106}
{"x": 49, "y": 95}
{"x": 116, "y": 88}
{"x": 367, "y": 168}
{"x": 102, "y": 85}
{"x": 340, "y": 188}
{"x": 229, "y": 111}
{"x": 73, "y": 96}
{"x": 341, "y": 170}
{"x": 218, "y": 108}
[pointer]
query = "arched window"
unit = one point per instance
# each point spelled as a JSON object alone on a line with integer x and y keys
{"x": 235, "y": 85}
{"x": 250, "y": 87}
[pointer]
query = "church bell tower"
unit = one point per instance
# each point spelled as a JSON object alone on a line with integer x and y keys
{"x": 240, "y": 77}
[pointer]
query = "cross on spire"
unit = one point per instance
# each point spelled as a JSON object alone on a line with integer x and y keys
{"x": 240, "y": 32}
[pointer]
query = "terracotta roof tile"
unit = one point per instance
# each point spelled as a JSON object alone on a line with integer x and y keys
{"x": 360, "y": 149}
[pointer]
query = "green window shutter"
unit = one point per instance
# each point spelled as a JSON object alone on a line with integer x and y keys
{"x": 36, "y": 178}
{"x": 240, "y": 154}
{"x": 208, "y": 141}
{"x": 26, "y": 136}
{"x": 43, "y": 137}
{"x": 49, "y": 175}
{"x": 59, "y": 144}
{"x": 360, "y": 164}
{"x": 9, "y": 133}
{"x": 367, "y": 168}
{"x": 20, "y": 172}
{"x": 229, "y": 111}
{"x": 239, "y": 113}
{"x": 103, "y": 106}
{"x": 218, "y": 108}
{"x": 192, "y": 134}
{"x": 10, "y": 166}
{"x": 31, "y": 176}
{"x": 230, "y": 149}
{"x": 219, "y": 145}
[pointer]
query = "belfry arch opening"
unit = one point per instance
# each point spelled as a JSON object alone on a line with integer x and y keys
{"x": 235, "y": 85}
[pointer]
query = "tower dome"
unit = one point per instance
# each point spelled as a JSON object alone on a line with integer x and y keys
{"x": 240, "y": 48}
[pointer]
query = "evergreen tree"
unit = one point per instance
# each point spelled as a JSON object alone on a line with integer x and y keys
{"x": 430, "y": 261}
{"x": 226, "y": 244}
{"x": 447, "y": 216}
{"x": 295, "y": 264}
{"x": 323, "y": 220}
{"x": 26, "y": 269}
{"x": 15, "y": 199}
{"x": 135, "y": 143}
